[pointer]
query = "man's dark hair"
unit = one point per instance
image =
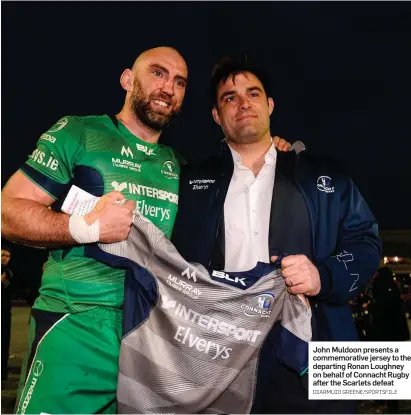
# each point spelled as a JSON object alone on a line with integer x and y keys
{"x": 228, "y": 67}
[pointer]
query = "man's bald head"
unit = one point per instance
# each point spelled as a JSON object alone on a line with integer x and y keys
{"x": 156, "y": 86}
{"x": 160, "y": 52}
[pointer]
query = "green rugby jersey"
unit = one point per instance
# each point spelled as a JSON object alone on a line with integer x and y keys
{"x": 99, "y": 155}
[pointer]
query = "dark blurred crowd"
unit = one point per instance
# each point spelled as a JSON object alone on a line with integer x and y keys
{"x": 380, "y": 314}
{"x": 6, "y": 299}
{"x": 381, "y": 311}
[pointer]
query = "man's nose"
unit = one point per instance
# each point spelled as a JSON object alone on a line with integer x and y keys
{"x": 244, "y": 103}
{"x": 168, "y": 88}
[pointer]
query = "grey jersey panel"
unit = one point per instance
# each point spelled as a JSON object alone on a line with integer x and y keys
{"x": 198, "y": 350}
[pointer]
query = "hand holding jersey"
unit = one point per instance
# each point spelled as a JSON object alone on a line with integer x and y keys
{"x": 192, "y": 336}
{"x": 109, "y": 221}
{"x": 300, "y": 274}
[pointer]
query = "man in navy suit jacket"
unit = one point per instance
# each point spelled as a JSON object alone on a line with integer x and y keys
{"x": 251, "y": 203}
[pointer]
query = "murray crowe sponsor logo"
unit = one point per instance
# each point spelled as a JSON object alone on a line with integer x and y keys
{"x": 324, "y": 184}
{"x": 186, "y": 273}
{"x": 126, "y": 164}
{"x": 184, "y": 287}
{"x": 206, "y": 322}
{"x": 126, "y": 151}
{"x": 259, "y": 306}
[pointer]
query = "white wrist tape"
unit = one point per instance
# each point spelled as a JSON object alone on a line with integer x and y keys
{"x": 83, "y": 233}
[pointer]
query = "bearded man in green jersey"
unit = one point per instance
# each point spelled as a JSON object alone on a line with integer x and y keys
{"x": 75, "y": 330}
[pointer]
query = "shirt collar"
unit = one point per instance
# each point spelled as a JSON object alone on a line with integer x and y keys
{"x": 270, "y": 157}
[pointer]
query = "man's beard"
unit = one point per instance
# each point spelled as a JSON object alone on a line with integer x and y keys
{"x": 140, "y": 105}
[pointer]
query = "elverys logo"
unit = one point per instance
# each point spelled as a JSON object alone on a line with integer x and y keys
{"x": 59, "y": 125}
{"x": 259, "y": 306}
{"x": 324, "y": 184}
{"x": 169, "y": 170}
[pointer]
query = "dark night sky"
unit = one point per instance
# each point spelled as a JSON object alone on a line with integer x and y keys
{"x": 341, "y": 73}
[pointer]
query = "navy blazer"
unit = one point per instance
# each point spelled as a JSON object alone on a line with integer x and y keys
{"x": 345, "y": 243}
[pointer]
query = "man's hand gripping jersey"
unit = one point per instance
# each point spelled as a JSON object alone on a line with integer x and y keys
{"x": 192, "y": 336}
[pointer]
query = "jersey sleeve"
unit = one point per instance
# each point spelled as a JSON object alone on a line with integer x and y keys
{"x": 52, "y": 163}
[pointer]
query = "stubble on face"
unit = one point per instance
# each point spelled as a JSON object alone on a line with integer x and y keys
{"x": 248, "y": 121}
{"x": 143, "y": 110}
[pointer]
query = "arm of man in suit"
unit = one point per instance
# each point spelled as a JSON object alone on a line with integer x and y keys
{"x": 337, "y": 278}
{"x": 358, "y": 250}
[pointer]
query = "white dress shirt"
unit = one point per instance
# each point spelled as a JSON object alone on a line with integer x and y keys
{"x": 247, "y": 210}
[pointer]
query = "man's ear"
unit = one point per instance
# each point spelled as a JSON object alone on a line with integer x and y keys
{"x": 127, "y": 79}
{"x": 215, "y": 115}
{"x": 270, "y": 106}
